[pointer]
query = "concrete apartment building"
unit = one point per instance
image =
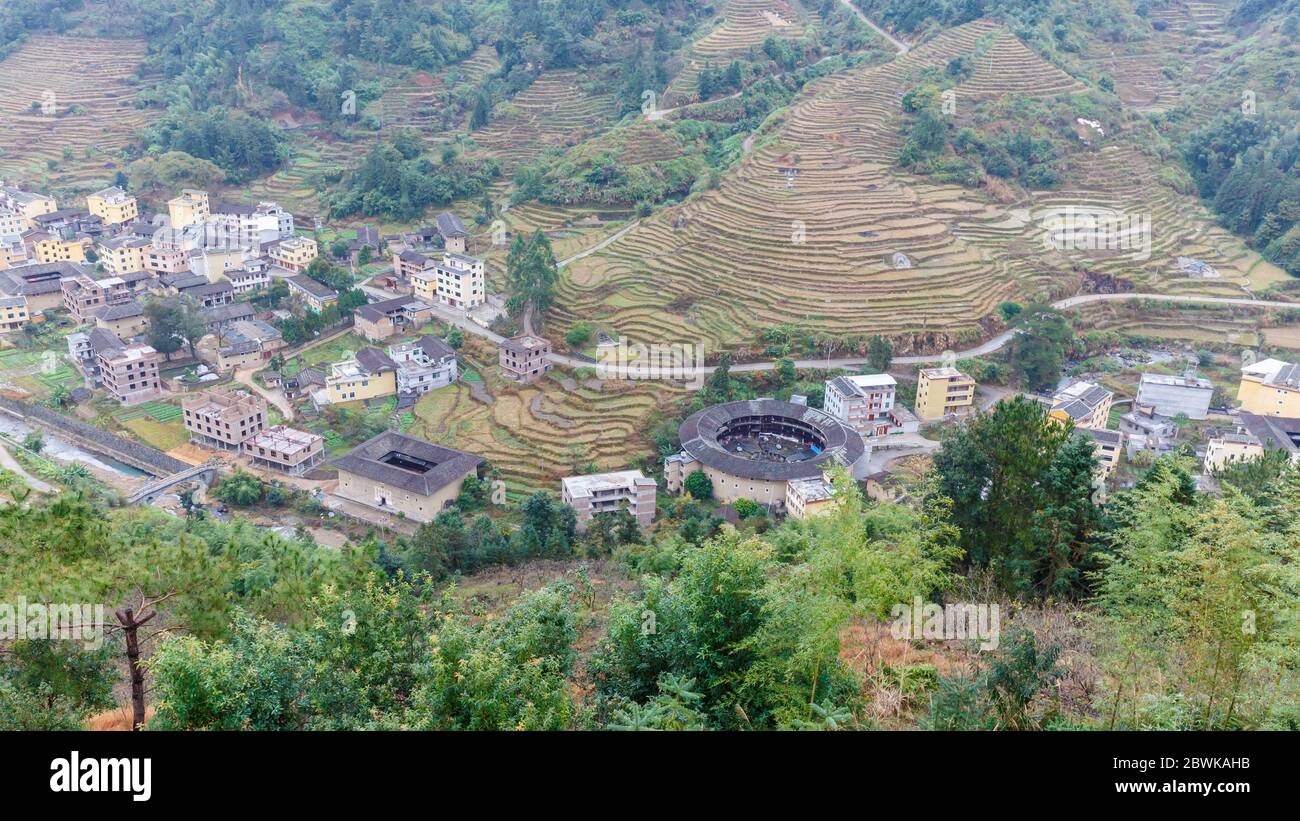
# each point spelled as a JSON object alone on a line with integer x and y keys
{"x": 12, "y": 250}
{"x": 285, "y": 449}
{"x": 1270, "y": 388}
{"x": 608, "y": 493}
{"x": 129, "y": 372}
{"x": 1147, "y": 430}
{"x": 113, "y": 205}
{"x": 1082, "y": 404}
{"x": 311, "y": 293}
{"x": 523, "y": 358}
{"x": 1170, "y": 395}
{"x": 46, "y": 247}
{"x": 253, "y": 275}
{"x": 213, "y": 264}
{"x": 424, "y": 365}
{"x": 84, "y": 297}
{"x": 189, "y": 208}
{"x": 398, "y": 474}
{"x": 223, "y": 419}
{"x": 862, "y": 402}
{"x": 941, "y": 392}
{"x": 294, "y": 253}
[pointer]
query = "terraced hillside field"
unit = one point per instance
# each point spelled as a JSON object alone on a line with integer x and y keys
{"x": 555, "y": 110}
{"x": 806, "y": 230}
{"x": 416, "y": 99}
{"x": 743, "y": 25}
{"x": 818, "y": 225}
{"x": 69, "y": 100}
{"x": 537, "y": 434}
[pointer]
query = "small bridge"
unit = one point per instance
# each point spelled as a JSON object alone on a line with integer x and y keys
{"x": 205, "y": 473}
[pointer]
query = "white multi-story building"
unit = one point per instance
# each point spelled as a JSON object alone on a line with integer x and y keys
{"x": 862, "y": 402}
{"x": 254, "y": 225}
{"x": 457, "y": 281}
{"x": 424, "y": 365}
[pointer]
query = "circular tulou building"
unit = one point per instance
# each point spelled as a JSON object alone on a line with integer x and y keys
{"x": 755, "y": 449}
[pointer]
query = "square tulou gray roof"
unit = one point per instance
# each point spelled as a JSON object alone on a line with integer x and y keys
{"x": 444, "y": 465}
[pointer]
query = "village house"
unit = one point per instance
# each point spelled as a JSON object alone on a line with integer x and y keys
{"x": 311, "y": 293}
{"x": 125, "y": 320}
{"x": 941, "y": 392}
{"x": 164, "y": 261}
{"x": 1255, "y": 434}
{"x": 211, "y": 294}
{"x": 1170, "y": 395}
{"x": 523, "y": 358}
{"x": 367, "y": 375}
{"x": 293, "y": 254}
{"x": 223, "y": 419}
{"x": 811, "y": 496}
{"x": 248, "y": 342}
{"x": 12, "y": 251}
{"x": 13, "y": 313}
{"x": 26, "y": 205}
{"x": 390, "y": 317}
{"x": 254, "y": 275}
{"x": 866, "y": 403}
{"x": 46, "y": 247}
{"x": 1270, "y": 388}
{"x": 1106, "y": 445}
{"x": 219, "y": 317}
{"x": 253, "y": 226}
{"x": 398, "y": 474}
{"x": 124, "y": 254}
{"x": 452, "y": 230}
{"x": 40, "y": 284}
{"x": 458, "y": 281}
{"x": 424, "y": 365}
{"x": 213, "y": 264}
{"x": 1145, "y": 429}
{"x": 1082, "y": 404}
{"x": 113, "y": 205}
{"x": 598, "y": 493}
{"x": 189, "y": 208}
{"x": 285, "y": 449}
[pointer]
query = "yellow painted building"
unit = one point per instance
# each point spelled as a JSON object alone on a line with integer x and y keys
{"x": 190, "y": 208}
{"x": 47, "y": 248}
{"x": 124, "y": 255}
{"x": 1232, "y": 447}
{"x": 13, "y": 313}
{"x": 943, "y": 391}
{"x": 369, "y": 374}
{"x": 295, "y": 253}
{"x": 1270, "y": 388}
{"x": 27, "y": 204}
{"x": 1083, "y": 405}
{"x": 113, "y": 205}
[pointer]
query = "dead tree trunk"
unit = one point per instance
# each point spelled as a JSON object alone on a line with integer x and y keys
{"x": 131, "y": 628}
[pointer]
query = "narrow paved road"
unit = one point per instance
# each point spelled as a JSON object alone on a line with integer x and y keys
{"x": 902, "y": 47}
{"x": 245, "y": 378}
{"x": 604, "y": 243}
{"x": 8, "y": 462}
